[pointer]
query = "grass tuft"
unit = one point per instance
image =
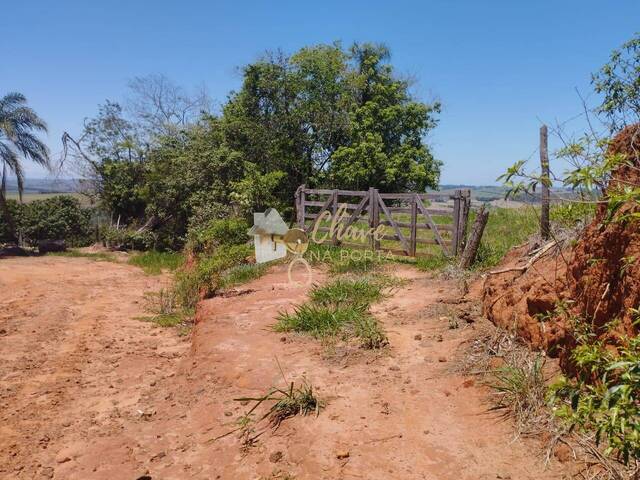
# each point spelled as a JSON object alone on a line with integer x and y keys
{"x": 154, "y": 262}
{"x": 340, "y": 307}
{"x": 242, "y": 274}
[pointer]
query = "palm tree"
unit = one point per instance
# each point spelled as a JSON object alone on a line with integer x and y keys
{"x": 18, "y": 142}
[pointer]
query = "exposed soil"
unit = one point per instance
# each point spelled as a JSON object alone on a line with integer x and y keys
{"x": 90, "y": 391}
{"x": 599, "y": 278}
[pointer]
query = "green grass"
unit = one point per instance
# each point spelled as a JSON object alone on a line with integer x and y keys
{"x": 241, "y": 274}
{"x": 97, "y": 256}
{"x": 153, "y": 262}
{"x": 340, "y": 307}
{"x": 506, "y": 228}
{"x": 343, "y": 291}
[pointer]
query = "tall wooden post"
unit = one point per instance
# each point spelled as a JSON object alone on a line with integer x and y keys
{"x": 545, "y": 228}
{"x": 300, "y": 200}
{"x": 414, "y": 226}
{"x": 370, "y": 212}
{"x": 334, "y": 211}
{"x": 376, "y": 216}
{"x": 457, "y": 209}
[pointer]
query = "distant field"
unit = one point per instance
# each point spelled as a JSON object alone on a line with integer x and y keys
{"x": 30, "y": 196}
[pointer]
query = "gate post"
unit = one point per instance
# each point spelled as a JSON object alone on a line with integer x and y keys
{"x": 457, "y": 212}
{"x": 376, "y": 215}
{"x": 413, "y": 240}
{"x": 300, "y": 210}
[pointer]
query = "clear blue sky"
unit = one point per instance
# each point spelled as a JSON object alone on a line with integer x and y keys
{"x": 499, "y": 67}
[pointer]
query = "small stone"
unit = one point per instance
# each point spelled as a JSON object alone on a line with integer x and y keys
{"x": 439, "y": 338}
{"x": 283, "y": 339}
{"x": 275, "y": 457}
{"x": 228, "y": 413}
{"x": 468, "y": 383}
{"x": 417, "y": 337}
{"x": 153, "y": 384}
{"x": 563, "y": 453}
{"x": 442, "y": 359}
{"x": 394, "y": 368}
{"x": 342, "y": 455}
{"x": 63, "y": 459}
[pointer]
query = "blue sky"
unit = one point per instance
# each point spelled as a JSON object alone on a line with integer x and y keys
{"x": 499, "y": 67}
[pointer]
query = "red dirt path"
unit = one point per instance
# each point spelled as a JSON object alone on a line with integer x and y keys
{"x": 89, "y": 391}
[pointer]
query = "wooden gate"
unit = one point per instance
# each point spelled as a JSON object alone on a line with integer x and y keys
{"x": 416, "y": 224}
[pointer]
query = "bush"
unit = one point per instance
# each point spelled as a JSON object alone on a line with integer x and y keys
{"x": 228, "y": 231}
{"x": 15, "y": 211}
{"x": 604, "y": 395}
{"x": 127, "y": 238}
{"x": 56, "y": 218}
{"x": 205, "y": 279}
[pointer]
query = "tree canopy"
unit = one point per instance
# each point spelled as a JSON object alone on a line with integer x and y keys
{"x": 325, "y": 116}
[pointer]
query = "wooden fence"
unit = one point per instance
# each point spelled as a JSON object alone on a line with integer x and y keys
{"x": 415, "y": 223}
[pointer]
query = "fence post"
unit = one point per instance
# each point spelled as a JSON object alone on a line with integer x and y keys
{"x": 464, "y": 217}
{"x": 414, "y": 226}
{"x": 545, "y": 228}
{"x": 455, "y": 241}
{"x": 376, "y": 216}
{"x": 370, "y": 207}
{"x": 334, "y": 210}
{"x": 300, "y": 201}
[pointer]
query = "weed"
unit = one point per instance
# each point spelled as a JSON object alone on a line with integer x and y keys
{"x": 433, "y": 262}
{"x": 506, "y": 228}
{"x": 204, "y": 280}
{"x": 154, "y": 262}
{"x": 319, "y": 320}
{"x": 165, "y": 310}
{"x": 242, "y": 274}
{"x": 285, "y": 403}
{"x": 341, "y": 306}
{"x": 603, "y": 395}
{"x": 521, "y": 389}
{"x": 345, "y": 291}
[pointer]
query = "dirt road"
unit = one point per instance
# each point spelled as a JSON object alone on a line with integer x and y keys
{"x": 89, "y": 391}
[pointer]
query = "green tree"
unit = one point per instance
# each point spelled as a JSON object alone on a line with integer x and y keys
{"x": 18, "y": 141}
{"x": 619, "y": 83}
{"x": 190, "y": 177}
{"x": 386, "y": 149}
{"x": 327, "y": 116}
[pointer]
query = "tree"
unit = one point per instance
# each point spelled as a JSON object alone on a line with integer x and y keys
{"x": 386, "y": 149}
{"x": 619, "y": 82}
{"x": 162, "y": 108}
{"x": 326, "y": 116}
{"x": 18, "y": 141}
{"x": 109, "y": 158}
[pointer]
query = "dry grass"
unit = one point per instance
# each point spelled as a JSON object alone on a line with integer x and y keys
{"x": 519, "y": 380}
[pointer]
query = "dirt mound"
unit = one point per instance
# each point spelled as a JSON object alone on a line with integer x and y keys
{"x": 599, "y": 278}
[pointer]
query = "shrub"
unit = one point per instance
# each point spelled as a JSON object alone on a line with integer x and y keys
{"x": 15, "y": 211}
{"x": 56, "y": 218}
{"x": 569, "y": 215}
{"x": 604, "y": 395}
{"x": 228, "y": 231}
{"x": 205, "y": 279}
{"x": 128, "y": 238}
